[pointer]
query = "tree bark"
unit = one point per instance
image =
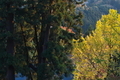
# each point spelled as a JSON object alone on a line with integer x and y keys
{"x": 10, "y": 45}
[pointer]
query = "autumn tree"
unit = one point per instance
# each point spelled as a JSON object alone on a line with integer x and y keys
{"x": 97, "y": 56}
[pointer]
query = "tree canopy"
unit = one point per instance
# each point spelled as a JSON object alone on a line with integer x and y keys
{"x": 32, "y": 41}
{"x": 97, "y": 56}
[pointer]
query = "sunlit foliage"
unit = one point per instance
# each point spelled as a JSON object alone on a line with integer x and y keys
{"x": 97, "y": 56}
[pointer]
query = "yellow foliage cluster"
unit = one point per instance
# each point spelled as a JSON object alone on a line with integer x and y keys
{"x": 92, "y": 55}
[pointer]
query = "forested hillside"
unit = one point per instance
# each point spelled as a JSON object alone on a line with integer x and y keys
{"x": 93, "y": 11}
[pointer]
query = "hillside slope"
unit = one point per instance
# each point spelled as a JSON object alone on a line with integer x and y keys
{"x": 93, "y": 11}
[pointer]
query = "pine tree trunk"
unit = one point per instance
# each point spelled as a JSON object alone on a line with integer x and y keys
{"x": 10, "y": 45}
{"x": 43, "y": 40}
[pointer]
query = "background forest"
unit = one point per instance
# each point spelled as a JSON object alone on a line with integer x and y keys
{"x": 94, "y": 9}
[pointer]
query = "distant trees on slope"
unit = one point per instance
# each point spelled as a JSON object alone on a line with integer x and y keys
{"x": 92, "y": 12}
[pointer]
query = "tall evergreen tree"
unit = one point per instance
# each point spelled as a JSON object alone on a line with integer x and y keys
{"x": 8, "y": 58}
{"x": 42, "y": 47}
{"x": 55, "y": 45}
{"x": 8, "y": 19}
